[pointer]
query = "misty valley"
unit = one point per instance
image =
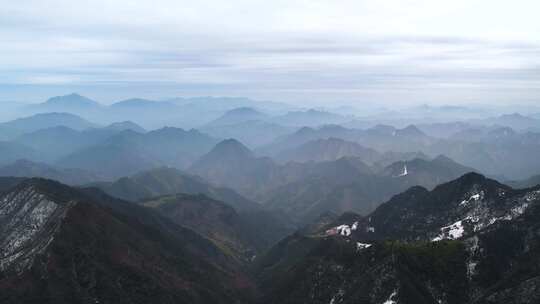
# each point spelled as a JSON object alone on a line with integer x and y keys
{"x": 235, "y": 200}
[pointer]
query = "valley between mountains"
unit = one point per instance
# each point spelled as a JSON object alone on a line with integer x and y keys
{"x": 470, "y": 240}
{"x": 260, "y": 203}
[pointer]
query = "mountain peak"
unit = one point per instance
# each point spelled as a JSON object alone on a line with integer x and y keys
{"x": 126, "y": 125}
{"x": 305, "y": 131}
{"x": 441, "y": 158}
{"x": 71, "y": 100}
{"x": 232, "y": 146}
{"x": 134, "y": 102}
{"x": 471, "y": 178}
{"x": 411, "y": 130}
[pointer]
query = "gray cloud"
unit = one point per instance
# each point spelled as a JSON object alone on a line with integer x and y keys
{"x": 285, "y": 50}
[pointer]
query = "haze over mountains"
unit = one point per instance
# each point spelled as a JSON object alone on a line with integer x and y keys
{"x": 270, "y": 152}
{"x": 232, "y": 200}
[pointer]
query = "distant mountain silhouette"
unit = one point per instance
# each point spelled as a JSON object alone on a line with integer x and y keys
{"x": 167, "y": 181}
{"x": 48, "y": 120}
{"x": 327, "y": 150}
{"x": 348, "y": 184}
{"x": 129, "y": 152}
{"x": 69, "y": 102}
{"x": 26, "y": 168}
{"x": 233, "y": 165}
{"x": 236, "y": 116}
{"x": 305, "y": 190}
{"x": 126, "y": 125}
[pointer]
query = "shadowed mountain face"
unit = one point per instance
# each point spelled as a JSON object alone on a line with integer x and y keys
{"x": 498, "y": 151}
{"x": 251, "y": 227}
{"x": 380, "y": 137}
{"x": 328, "y": 150}
{"x": 55, "y": 142}
{"x": 60, "y": 245}
{"x": 167, "y": 181}
{"x": 306, "y": 190}
{"x": 472, "y": 200}
{"x": 471, "y": 240}
{"x": 350, "y": 185}
{"x": 233, "y": 165}
{"x": 129, "y": 152}
{"x": 213, "y": 219}
{"x": 331, "y": 149}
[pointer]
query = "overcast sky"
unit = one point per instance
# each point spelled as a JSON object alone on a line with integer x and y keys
{"x": 306, "y": 52}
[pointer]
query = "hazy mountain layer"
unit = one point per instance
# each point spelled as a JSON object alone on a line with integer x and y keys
{"x": 167, "y": 181}
{"x": 25, "y": 168}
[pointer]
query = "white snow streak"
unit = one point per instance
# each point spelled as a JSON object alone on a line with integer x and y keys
{"x": 392, "y": 298}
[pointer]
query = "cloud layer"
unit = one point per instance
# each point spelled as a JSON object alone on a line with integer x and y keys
{"x": 318, "y": 50}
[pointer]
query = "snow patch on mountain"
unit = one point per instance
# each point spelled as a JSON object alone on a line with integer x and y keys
{"x": 474, "y": 197}
{"x": 451, "y": 232}
{"x": 27, "y": 225}
{"x": 405, "y": 171}
{"x": 482, "y": 214}
{"x": 337, "y": 297}
{"x": 360, "y": 246}
{"x": 392, "y": 299}
{"x": 344, "y": 230}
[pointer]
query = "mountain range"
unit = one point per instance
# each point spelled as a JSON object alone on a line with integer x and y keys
{"x": 234, "y": 200}
{"x": 61, "y": 245}
{"x": 471, "y": 240}
{"x": 168, "y": 181}
{"x": 129, "y": 152}
{"x": 304, "y": 190}
{"x": 20, "y": 126}
{"x": 26, "y": 168}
